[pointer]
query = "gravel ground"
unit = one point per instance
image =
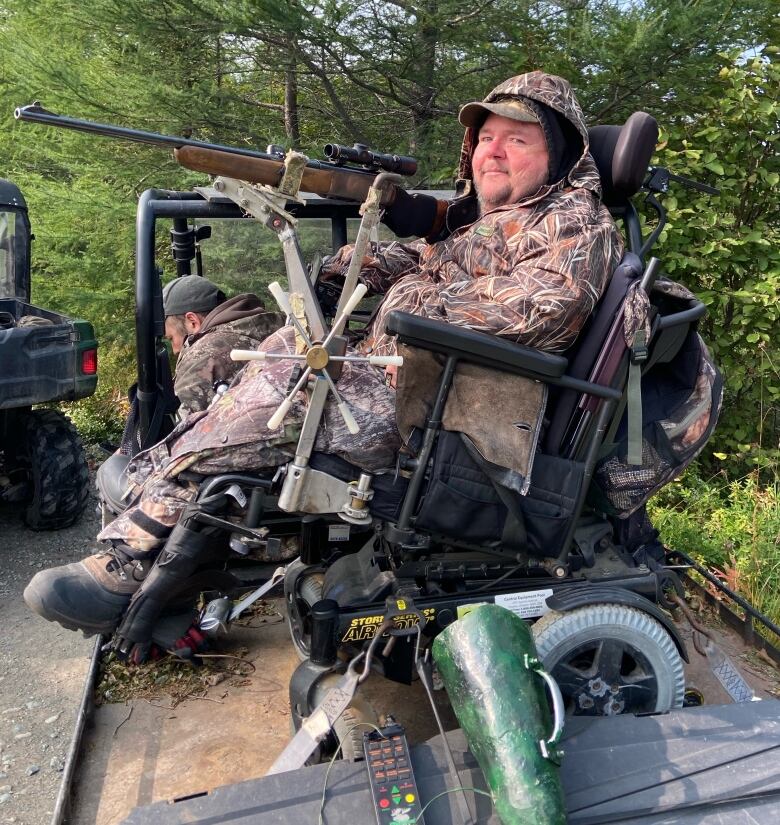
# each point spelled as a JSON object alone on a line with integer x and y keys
{"x": 42, "y": 670}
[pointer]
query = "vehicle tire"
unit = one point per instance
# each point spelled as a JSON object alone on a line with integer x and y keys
{"x": 610, "y": 659}
{"x": 299, "y": 597}
{"x": 349, "y": 727}
{"x": 59, "y": 476}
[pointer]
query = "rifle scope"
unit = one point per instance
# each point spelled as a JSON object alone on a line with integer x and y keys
{"x": 359, "y": 153}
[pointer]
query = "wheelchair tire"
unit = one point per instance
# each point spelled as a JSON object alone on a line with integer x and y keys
{"x": 610, "y": 659}
{"x": 299, "y": 598}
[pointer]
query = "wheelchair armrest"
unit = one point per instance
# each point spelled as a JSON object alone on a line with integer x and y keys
{"x": 477, "y": 347}
{"x": 696, "y": 310}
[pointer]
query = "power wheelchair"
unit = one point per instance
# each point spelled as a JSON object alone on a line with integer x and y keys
{"x": 438, "y": 534}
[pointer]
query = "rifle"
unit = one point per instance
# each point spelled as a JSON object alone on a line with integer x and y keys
{"x": 329, "y": 179}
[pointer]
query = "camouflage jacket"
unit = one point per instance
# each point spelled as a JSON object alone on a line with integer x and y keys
{"x": 530, "y": 271}
{"x": 241, "y": 322}
{"x": 233, "y": 433}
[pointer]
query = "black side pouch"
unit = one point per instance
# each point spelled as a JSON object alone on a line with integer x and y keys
{"x": 550, "y": 502}
{"x": 460, "y": 500}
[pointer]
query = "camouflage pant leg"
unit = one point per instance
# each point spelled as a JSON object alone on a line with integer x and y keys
{"x": 146, "y": 524}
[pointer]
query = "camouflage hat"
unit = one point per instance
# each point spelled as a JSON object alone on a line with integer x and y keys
{"x": 191, "y": 293}
{"x": 473, "y": 114}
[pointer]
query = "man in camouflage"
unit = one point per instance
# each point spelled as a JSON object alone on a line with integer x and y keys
{"x": 203, "y": 326}
{"x": 524, "y": 252}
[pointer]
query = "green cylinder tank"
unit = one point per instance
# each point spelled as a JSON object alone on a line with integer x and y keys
{"x": 488, "y": 663}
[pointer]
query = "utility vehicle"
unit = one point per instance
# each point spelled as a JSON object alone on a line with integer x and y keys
{"x": 44, "y": 357}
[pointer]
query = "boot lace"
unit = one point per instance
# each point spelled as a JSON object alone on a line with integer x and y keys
{"x": 119, "y": 560}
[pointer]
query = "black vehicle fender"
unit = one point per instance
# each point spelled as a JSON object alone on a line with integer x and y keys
{"x": 571, "y": 598}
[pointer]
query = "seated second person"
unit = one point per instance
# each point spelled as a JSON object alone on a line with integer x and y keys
{"x": 524, "y": 254}
{"x": 203, "y": 326}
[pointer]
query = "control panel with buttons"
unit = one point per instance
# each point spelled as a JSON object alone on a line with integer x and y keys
{"x": 393, "y": 787}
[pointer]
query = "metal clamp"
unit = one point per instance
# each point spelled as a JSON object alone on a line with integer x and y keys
{"x": 355, "y": 511}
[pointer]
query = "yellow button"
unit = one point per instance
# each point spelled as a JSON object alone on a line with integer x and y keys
{"x": 409, "y": 797}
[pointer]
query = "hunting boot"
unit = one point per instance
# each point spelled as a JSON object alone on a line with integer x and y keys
{"x": 91, "y": 595}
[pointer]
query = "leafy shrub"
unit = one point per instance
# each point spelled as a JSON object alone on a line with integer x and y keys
{"x": 727, "y": 247}
{"x": 732, "y": 527}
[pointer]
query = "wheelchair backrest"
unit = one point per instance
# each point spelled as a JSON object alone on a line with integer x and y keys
{"x": 622, "y": 155}
{"x": 588, "y": 349}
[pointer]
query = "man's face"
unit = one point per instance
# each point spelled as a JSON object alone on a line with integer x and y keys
{"x": 175, "y": 332}
{"x": 509, "y": 162}
{"x": 179, "y": 327}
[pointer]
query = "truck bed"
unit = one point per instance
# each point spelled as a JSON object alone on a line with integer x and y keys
{"x": 43, "y": 362}
{"x": 149, "y": 751}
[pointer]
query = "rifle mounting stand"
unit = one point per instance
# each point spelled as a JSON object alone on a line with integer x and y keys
{"x": 305, "y": 489}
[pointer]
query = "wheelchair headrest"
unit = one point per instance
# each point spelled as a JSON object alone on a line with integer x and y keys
{"x": 622, "y": 154}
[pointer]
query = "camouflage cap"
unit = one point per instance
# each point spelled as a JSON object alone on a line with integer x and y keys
{"x": 191, "y": 293}
{"x": 473, "y": 114}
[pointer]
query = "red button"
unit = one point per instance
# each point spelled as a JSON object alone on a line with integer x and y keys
{"x": 384, "y": 803}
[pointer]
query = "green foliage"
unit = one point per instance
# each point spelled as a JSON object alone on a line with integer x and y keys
{"x": 731, "y": 527}
{"x": 727, "y": 248}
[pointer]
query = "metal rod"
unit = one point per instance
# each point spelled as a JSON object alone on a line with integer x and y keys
{"x": 63, "y": 795}
{"x": 735, "y": 597}
{"x": 145, "y": 275}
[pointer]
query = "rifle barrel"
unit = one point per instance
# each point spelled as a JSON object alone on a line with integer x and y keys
{"x": 35, "y": 113}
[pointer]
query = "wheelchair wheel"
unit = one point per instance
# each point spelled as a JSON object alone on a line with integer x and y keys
{"x": 301, "y": 591}
{"x": 610, "y": 659}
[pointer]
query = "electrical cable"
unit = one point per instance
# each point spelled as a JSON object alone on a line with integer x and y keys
{"x": 470, "y": 815}
{"x": 333, "y": 760}
{"x": 676, "y": 778}
{"x": 454, "y": 790}
{"x": 494, "y": 582}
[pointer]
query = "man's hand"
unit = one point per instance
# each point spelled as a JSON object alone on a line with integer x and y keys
{"x": 391, "y": 375}
{"x": 411, "y": 215}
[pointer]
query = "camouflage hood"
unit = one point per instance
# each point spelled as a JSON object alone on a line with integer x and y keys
{"x": 557, "y": 94}
{"x": 240, "y": 307}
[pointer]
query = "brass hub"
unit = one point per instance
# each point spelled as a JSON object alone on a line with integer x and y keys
{"x": 317, "y": 357}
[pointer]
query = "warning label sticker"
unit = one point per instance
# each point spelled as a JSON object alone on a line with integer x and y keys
{"x": 338, "y": 532}
{"x": 527, "y": 605}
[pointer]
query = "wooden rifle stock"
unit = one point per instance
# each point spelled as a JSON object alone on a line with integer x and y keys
{"x": 327, "y": 183}
{"x": 324, "y": 179}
